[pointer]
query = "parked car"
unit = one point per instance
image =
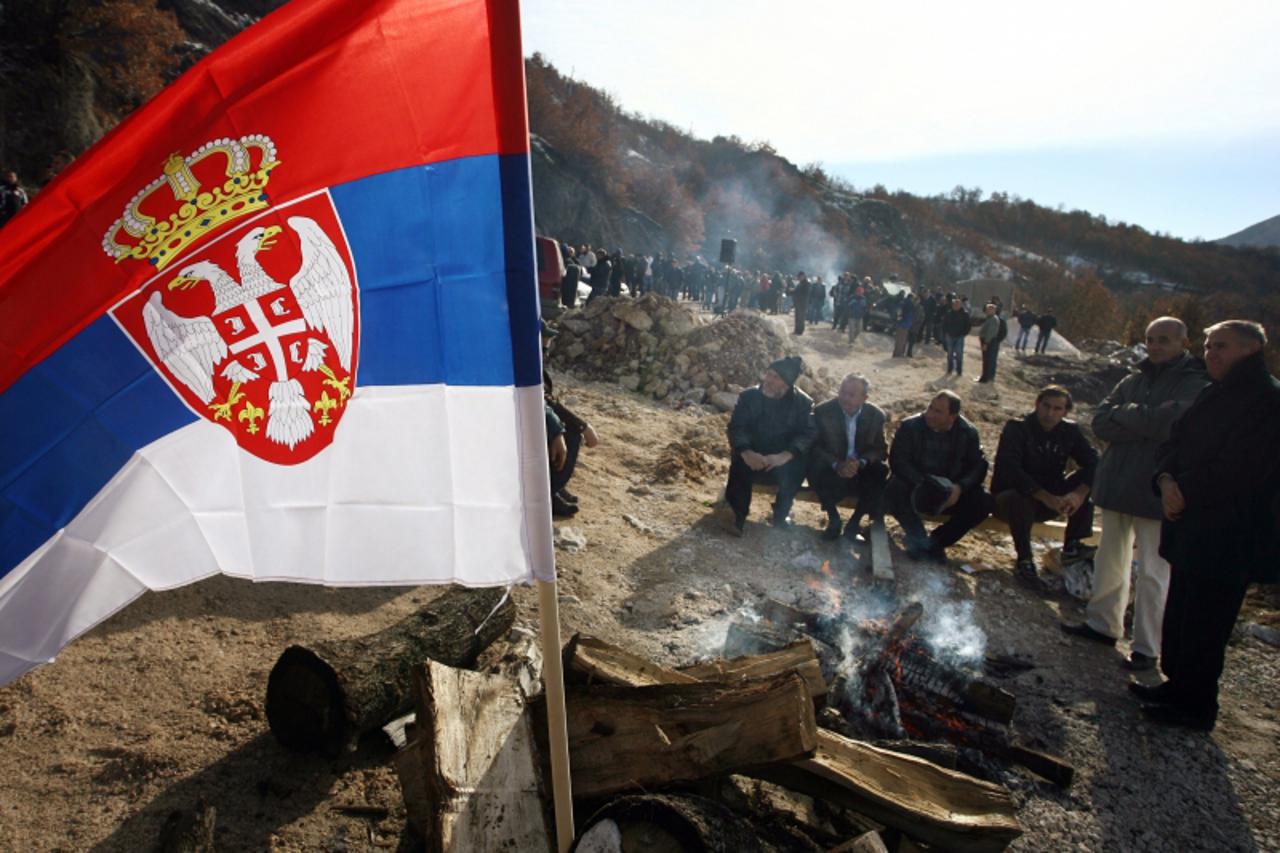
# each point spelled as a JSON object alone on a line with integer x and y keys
{"x": 882, "y": 315}
{"x": 550, "y": 275}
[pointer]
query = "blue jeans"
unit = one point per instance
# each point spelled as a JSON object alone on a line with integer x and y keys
{"x": 1024, "y": 337}
{"x": 955, "y": 354}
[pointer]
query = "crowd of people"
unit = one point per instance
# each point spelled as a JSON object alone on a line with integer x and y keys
{"x": 1190, "y": 473}
{"x": 12, "y": 196}
{"x": 850, "y": 302}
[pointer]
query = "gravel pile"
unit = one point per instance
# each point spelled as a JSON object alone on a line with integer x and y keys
{"x": 667, "y": 350}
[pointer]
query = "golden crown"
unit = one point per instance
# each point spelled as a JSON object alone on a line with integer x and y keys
{"x": 152, "y": 229}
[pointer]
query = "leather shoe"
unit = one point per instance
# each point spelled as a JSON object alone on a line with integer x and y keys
{"x": 1138, "y": 662}
{"x": 568, "y": 496}
{"x": 832, "y": 531}
{"x": 1084, "y": 629}
{"x": 1158, "y": 694}
{"x": 1176, "y": 715}
{"x": 561, "y": 508}
{"x": 1025, "y": 573}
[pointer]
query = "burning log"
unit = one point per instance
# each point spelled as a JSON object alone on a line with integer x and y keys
{"x": 675, "y": 824}
{"x": 624, "y": 738}
{"x": 327, "y": 695}
{"x": 469, "y": 778}
{"x": 744, "y": 639}
{"x": 936, "y": 806}
{"x": 797, "y": 657}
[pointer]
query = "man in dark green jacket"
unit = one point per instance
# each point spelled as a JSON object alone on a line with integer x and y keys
{"x": 1134, "y": 419}
{"x": 1219, "y": 482}
{"x": 770, "y": 433}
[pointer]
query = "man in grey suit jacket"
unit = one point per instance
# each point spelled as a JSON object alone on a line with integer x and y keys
{"x": 848, "y": 456}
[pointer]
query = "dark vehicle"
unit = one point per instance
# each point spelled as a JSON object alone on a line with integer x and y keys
{"x": 550, "y": 275}
{"x": 883, "y": 314}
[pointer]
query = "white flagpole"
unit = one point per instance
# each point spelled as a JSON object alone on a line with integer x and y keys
{"x": 557, "y": 729}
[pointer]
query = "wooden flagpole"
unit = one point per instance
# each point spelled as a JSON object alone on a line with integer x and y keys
{"x": 557, "y": 728}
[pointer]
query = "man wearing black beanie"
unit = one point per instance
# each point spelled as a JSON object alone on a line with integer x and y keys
{"x": 770, "y": 434}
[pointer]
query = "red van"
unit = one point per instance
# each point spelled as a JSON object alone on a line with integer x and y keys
{"x": 550, "y": 275}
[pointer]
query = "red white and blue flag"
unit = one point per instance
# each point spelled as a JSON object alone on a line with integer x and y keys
{"x": 281, "y": 324}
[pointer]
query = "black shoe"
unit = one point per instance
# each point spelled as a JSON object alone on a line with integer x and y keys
{"x": 832, "y": 531}
{"x": 735, "y": 524}
{"x": 782, "y": 522}
{"x": 1076, "y": 550}
{"x": 1138, "y": 662}
{"x": 1084, "y": 629}
{"x": 1025, "y": 573}
{"x": 1176, "y": 715}
{"x": 568, "y": 496}
{"x": 936, "y": 554}
{"x": 853, "y": 531}
{"x": 560, "y": 508}
{"x": 1161, "y": 693}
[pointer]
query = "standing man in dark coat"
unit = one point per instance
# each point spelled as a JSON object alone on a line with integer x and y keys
{"x": 1134, "y": 420}
{"x": 1219, "y": 483}
{"x": 1046, "y": 323}
{"x": 1031, "y": 482}
{"x": 770, "y": 433}
{"x": 848, "y": 456}
{"x": 955, "y": 326}
{"x": 937, "y": 467}
{"x": 800, "y": 302}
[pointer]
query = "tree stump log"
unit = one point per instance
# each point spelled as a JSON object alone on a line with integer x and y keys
{"x": 325, "y": 696}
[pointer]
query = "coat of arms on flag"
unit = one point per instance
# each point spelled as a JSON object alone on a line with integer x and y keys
{"x": 252, "y": 315}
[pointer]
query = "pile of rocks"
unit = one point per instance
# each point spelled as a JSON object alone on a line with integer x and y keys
{"x": 667, "y": 350}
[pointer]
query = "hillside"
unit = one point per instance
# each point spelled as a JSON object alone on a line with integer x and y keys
{"x": 1260, "y": 235}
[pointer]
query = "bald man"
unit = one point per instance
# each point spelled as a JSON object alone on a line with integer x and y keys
{"x": 1218, "y": 478}
{"x": 1134, "y": 419}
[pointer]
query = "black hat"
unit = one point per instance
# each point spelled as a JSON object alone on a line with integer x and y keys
{"x": 788, "y": 368}
{"x": 931, "y": 495}
{"x": 547, "y": 331}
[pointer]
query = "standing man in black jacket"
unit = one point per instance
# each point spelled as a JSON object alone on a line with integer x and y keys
{"x": 848, "y": 456}
{"x": 1031, "y": 483}
{"x": 1219, "y": 482}
{"x": 955, "y": 326}
{"x": 800, "y": 302}
{"x": 770, "y": 433}
{"x": 937, "y": 466}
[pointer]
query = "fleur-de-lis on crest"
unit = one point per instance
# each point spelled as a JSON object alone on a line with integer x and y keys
{"x": 324, "y": 405}
{"x": 251, "y": 414}
{"x": 222, "y": 411}
{"x": 342, "y": 386}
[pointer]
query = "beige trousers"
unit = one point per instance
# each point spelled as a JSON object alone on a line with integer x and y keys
{"x": 1111, "y": 570}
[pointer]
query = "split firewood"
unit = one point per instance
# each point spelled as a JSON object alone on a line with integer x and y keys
{"x": 628, "y": 738}
{"x": 936, "y": 806}
{"x": 868, "y": 842}
{"x": 798, "y": 656}
{"x": 324, "y": 696}
{"x": 470, "y": 777}
{"x": 592, "y": 660}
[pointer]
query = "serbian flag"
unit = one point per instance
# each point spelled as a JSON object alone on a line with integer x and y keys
{"x": 281, "y": 324}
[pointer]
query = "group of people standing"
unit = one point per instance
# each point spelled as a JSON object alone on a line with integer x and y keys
{"x": 1190, "y": 474}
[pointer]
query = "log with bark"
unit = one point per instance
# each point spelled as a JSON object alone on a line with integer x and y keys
{"x": 939, "y": 807}
{"x": 591, "y": 660}
{"x": 324, "y": 696}
{"x": 798, "y": 656}
{"x": 658, "y": 823}
{"x": 628, "y": 738}
{"x": 470, "y": 777}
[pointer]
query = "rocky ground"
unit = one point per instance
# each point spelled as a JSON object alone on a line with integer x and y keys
{"x": 162, "y": 706}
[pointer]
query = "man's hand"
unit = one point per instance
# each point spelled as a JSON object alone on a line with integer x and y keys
{"x": 1052, "y": 501}
{"x": 1073, "y": 500}
{"x": 1172, "y": 503}
{"x": 558, "y": 452}
{"x": 777, "y": 460}
{"x": 589, "y": 437}
{"x": 848, "y": 468}
{"x": 954, "y": 496}
{"x": 754, "y": 460}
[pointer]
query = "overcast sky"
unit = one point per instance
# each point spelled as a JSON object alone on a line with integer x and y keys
{"x": 1166, "y": 115}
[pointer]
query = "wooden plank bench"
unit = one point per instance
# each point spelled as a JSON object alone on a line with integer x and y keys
{"x": 881, "y": 556}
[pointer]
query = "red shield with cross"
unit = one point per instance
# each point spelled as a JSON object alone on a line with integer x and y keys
{"x": 257, "y": 330}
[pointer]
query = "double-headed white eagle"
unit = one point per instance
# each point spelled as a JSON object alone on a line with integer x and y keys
{"x": 190, "y": 347}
